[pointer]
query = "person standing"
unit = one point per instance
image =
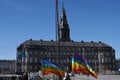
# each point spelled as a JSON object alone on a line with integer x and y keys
{"x": 17, "y": 78}
{"x": 25, "y": 76}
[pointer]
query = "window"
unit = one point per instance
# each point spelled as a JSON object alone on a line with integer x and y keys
{"x": 61, "y": 60}
{"x": 45, "y": 53}
{"x": 35, "y": 67}
{"x": 96, "y": 60}
{"x": 19, "y": 60}
{"x": 61, "y": 54}
{"x": 53, "y": 53}
{"x": 35, "y": 52}
{"x": 64, "y": 61}
{"x": 113, "y": 60}
{"x": 101, "y": 53}
{"x": 64, "y": 53}
{"x": 92, "y": 53}
{"x": 49, "y": 53}
{"x": 89, "y": 61}
{"x": 53, "y": 60}
{"x": 109, "y": 59}
{"x": 30, "y": 67}
{"x": 31, "y": 60}
{"x": 102, "y": 60}
{"x": 79, "y": 53}
{"x": 96, "y": 55}
{"x": 93, "y": 61}
{"x": 26, "y": 60}
{"x": 25, "y": 67}
{"x": 40, "y": 60}
{"x": 22, "y": 59}
{"x": 41, "y": 53}
{"x": 31, "y": 51}
{"x": 26, "y": 52}
{"x": 35, "y": 59}
{"x": 68, "y": 53}
{"x": 88, "y": 53}
{"x": 68, "y": 60}
{"x": 106, "y": 60}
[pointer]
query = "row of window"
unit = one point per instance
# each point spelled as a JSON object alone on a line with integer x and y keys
{"x": 63, "y": 53}
{"x": 106, "y": 60}
{"x": 102, "y": 60}
{"x": 68, "y": 53}
{"x": 64, "y": 60}
{"x": 108, "y": 53}
{"x": 50, "y": 54}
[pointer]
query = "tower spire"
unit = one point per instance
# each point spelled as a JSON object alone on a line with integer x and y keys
{"x": 64, "y": 27}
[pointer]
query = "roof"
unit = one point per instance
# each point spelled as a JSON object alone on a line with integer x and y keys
{"x": 67, "y": 43}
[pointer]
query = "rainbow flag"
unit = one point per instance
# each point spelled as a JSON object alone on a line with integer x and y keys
{"x": 80, "y": 64}
{"x": 49, "y": 67}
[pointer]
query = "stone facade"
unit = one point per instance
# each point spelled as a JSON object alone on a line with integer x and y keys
{"x": 30, "y": 53}
{"x": 7, "y": 66}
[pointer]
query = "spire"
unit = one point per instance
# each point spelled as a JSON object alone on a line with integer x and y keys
{"x": 64, "y": 27}
{"x": 63, "y": 19}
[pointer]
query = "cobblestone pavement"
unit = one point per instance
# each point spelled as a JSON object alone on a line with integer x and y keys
{"x": 100, "y": 77}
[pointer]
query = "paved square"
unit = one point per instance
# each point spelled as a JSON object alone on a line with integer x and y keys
{"x": 100, "y": 77}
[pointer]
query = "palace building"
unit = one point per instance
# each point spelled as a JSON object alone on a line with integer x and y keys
{"x": 30, "y": 53}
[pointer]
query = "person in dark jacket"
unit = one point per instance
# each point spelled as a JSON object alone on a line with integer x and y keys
{"x": 25, "y": 76}
{"x": 67, "y": 77}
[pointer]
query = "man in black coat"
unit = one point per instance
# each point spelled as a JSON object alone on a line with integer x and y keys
{"x": 25, "y": 76}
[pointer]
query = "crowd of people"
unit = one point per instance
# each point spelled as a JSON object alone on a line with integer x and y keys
{"x": 23, "y": 77}
{"x": 34, "y": 77}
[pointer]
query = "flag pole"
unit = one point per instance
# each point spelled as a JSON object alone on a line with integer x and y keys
{"x": 57, "y": 31}
{"x": 56, "y": 19}
{"x": 83, "y": 54}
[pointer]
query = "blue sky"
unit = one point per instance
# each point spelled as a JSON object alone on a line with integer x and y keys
{"x": 89, "y": 20}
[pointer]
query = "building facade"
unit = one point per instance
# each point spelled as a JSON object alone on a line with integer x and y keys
{"x": 7, "y": 66}
{"x": 30, "y": 53}
{"x": 118, "y": 64}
